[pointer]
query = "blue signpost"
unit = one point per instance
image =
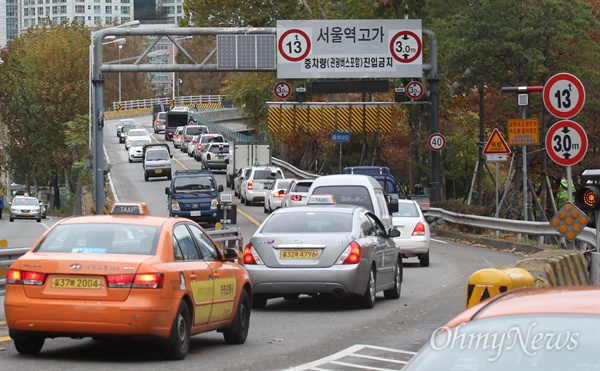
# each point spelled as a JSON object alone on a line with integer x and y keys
{"x": 340, "y": 136}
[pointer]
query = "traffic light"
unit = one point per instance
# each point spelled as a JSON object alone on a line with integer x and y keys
{"x": 300, "y": 95}
{"x": 399, "y": 95}
{"x": 588, "y": 197}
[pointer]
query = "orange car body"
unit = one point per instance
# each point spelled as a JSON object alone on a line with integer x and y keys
{"x": 93, "y": 291}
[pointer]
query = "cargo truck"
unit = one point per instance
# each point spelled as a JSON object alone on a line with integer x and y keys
{"x": 178, "y": 116}
{"x": 246, "y": 154}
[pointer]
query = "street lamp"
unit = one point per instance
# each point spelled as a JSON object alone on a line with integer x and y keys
{"x": 120, "y": 47}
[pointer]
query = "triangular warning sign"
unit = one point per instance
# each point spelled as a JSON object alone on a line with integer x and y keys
{"x": 496, "y": 145}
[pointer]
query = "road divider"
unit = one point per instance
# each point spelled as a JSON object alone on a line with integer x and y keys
{"x": 544, "y": 269}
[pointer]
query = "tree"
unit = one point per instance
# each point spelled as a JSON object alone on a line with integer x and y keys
{"x": 45, "y": 85}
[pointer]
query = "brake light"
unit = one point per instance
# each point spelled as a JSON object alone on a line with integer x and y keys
{"x": 296, "y": 198}
{"x": 279, "y": 194}
{"x": 351, "y": 255}
{"x": 419, "y": 229}
{"x": 140, "y": 280}
{"x": 170, "y": 134}
{"x": 250, "y": 187}
{"x": 208, "y": 156}
{"x": 25, "y": 277}
{"x": 248, "y": 257}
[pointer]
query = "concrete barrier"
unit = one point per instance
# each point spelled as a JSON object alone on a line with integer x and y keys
{"x": 486, "y": 283}
{"x": 544, "y": 269}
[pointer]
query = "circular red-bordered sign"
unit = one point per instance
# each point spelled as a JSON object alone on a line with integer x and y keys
{"x": 414, "y": 90}
{"x": 282, "y": 89}
{"x": 564, "y": 95}
{"x": 406, "y": 46}
{"x": 294, "y": 45}
{"x": 437, "y": 142}
{"x": 566, "y": 142}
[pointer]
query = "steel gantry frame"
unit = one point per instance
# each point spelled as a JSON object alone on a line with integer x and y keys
{"x": 98, "y": 67}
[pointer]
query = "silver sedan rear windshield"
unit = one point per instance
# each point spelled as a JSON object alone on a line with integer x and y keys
{"x": 309, "y": 222}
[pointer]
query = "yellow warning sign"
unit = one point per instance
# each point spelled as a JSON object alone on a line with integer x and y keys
{"x": 119, "y": 107}
{"x": 496, "y": 145}
{"x": 523, "y": 132}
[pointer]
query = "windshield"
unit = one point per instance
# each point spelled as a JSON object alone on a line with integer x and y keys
{"x": 515, "y": 342}
{"x": 194, "y": 184}
{"x": 309, "y": 222}
{"x": 139, "y": 142}
{"x": 157, "y": 155}
{"x": 22, "y": 201}
{"x": 137, "y": 133}
{"x": 101, "y": 239}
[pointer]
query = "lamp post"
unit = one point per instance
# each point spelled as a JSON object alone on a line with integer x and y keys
{"x": 120, "y": 47}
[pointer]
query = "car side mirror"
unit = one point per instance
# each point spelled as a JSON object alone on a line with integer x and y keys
{"x": 231, "y": 254}
{"x": 394, "y": 232}
{"x": 167, "y": 190}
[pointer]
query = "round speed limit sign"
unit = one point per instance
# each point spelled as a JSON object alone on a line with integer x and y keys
{"x": 294, "y": 45}
{"x": 282, "y": 89}
{"x": 437, "y": 142}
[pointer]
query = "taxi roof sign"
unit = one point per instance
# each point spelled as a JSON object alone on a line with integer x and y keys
{"x": 496, "y": 145}
{"x": 130, "y": 208}
{"x": 321, "y": 200}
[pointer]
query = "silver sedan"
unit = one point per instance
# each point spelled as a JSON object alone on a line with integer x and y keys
{"x": 323, "y": 249}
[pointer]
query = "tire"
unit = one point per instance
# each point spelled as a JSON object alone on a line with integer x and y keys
{"x": 394, "y": 293}
{"x": 238, "y": 332}
{"x": 178, "y": 344}
{"x": 367, "y": 300}
{"x": 130, "y": 160}
{"x": 246, "y": 202}
{"x": 29, "y": 344}
{"x": 424, "y": 259}
{"x": 39, "y": 220}
{"x": 265, "y": 210}
{"x": 11, "y": 220}
{"x": 259, "y": 301}
{"x": 146, "y": 177}
{"x": 169, "y": 177}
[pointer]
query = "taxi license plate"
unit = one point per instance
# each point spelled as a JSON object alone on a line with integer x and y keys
{"x": 87, "y": 283}
{"x": 195, "y": 213}
{"x": 298, "y": 254}
{"x": 159, "y": 171}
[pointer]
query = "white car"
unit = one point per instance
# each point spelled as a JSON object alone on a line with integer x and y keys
{"x": 296, "y": 193}
{"x": 414, "y": 231}
{"x": 177, "y": 136}
{"x": 256, "y": 181}
{"x": 136, "y": 149}
{"x": 275, "y": 193}
{"x": 134, "y": 134}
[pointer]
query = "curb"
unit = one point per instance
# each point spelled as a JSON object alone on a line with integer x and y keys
{"x": 494, "y": 242}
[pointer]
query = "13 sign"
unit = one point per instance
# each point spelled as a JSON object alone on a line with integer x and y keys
{"x": 566, "y": 142}
{"x": 564, "y": 95}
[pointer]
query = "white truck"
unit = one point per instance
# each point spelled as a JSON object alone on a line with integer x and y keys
{"x": 246, "y": 154}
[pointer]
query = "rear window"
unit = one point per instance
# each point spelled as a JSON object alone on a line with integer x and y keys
{"x": 195, "y": 130}
{"x": 346, "y": 194}
{"x": 157, "y": 154}
{"x": 162, "y": 115}
{"x": 218, "y": 149}
{"x": 309, "y": 222}
{"x": 302, "y": 187}
{"x": 101, "y": 239}
{"x": 404, "y": 209}
{"x": 212, "y": 138}
{"x": 267, "y": 174}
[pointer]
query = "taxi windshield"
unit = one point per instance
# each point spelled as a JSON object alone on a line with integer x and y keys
{"x": 101, "y": 239}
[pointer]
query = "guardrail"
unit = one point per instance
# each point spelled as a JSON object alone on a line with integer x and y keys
{"x": 223, "y": 237}
{"x": 148, "y": 103}
{"x": 540, "y": 229}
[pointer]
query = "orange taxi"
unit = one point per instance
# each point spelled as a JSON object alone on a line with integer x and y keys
{"x": 133, "y": 276}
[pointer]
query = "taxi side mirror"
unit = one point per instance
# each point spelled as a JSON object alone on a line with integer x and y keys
{"x": 231, "y": 254}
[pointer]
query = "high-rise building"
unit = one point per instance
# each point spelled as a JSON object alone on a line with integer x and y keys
{"x": 9, "y": 29}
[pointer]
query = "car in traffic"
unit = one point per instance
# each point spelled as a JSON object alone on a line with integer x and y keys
{"x": 203, "y": 141}
{"x": 296, "y": 193}
{"x": 256, "y": 180}
{"x": 330, "y": 249}
{"x": 177, "y": 136}
{"x": 156, "y": 161}
{"x": 26, "y": 207}
{"x": 215, "y": 156}
{"x": 415, "y": 232}
{"x": 192, "y": 145}
{"x": 554, "y": 328}
{"x": 275, "y": 194}
{"x": 125, "y": 129}
{"x": 126, "y": 277}
{"x": 136, "y": 148}
{"x": 238, "y": 179}
{"x": 123, "y": 122}
{"x": 160, "y": 122}
{"x": 133, "y": 134}
{"x": 188, "y": 132}
{"x": 194, "y": 194}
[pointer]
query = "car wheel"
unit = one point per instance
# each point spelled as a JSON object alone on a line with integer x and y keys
{"x": 11, "y": 220}
{"x": 29, "y": 344}
{"x": 265, "y": 210}
{"x": 394, "y": 292}
{"x": 367, "y": 300}
{"x": 145, "y": 177}
{"x": 169, "y": 177}
{"x": 179, "y": 341}
{"x": 130, "y": 160}
{"x": 39, "y": 220}
{"x": 247, "y": 202}
{"x": 424, "y": 259}
{"x": 238, "y": 332}
{"x": 259, "y": 301}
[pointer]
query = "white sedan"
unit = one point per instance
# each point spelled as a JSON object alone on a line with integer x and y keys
{"x": 414, "y": 231}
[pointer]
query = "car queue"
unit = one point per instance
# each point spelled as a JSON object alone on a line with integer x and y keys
{"x": 273, "y": 260}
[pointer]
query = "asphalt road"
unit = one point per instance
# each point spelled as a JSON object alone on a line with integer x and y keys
{"x": 286, "y": 334}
